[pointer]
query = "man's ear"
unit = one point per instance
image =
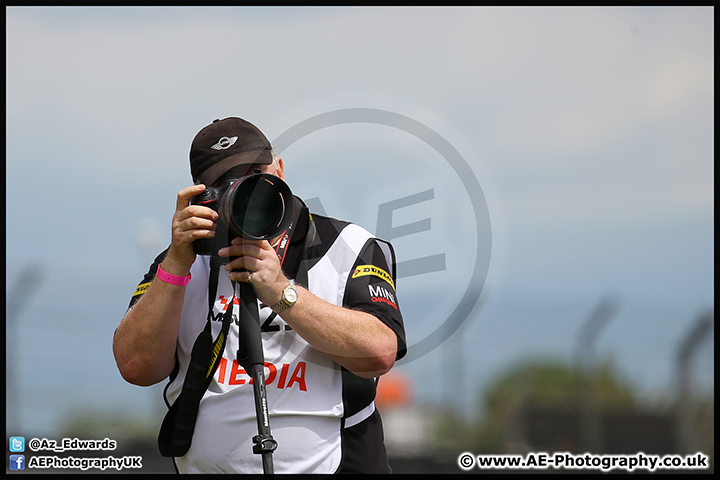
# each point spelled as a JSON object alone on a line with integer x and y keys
{"x": 280, "y": 169}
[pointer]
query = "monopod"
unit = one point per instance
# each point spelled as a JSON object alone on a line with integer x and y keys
{"x": 250, "y": 356}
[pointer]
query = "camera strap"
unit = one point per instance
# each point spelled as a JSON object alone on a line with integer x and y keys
{"x": 178, "y": 425}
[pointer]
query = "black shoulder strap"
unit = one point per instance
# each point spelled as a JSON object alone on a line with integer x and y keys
{"x": 178, "y": 425}
{"x": 301, "y": 276}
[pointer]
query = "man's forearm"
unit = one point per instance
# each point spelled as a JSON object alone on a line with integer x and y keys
{"x": 356, "y": 340}
{"x": 145, "y": 341}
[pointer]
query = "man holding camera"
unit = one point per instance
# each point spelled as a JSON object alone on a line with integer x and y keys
{"x": 330, "y": 321}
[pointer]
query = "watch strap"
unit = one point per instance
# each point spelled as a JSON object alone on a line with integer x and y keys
{"x": 284, "y": 302}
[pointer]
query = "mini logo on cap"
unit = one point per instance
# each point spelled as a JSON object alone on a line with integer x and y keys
{"x": 224, "y": 143}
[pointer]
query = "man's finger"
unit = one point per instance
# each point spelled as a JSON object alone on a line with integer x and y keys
{"x": 185, "y": 195}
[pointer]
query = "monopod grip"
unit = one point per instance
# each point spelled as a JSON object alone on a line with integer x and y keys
{"x": 250, "y": 351}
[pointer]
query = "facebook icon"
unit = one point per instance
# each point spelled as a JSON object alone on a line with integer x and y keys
{"x": 17, "y": 462}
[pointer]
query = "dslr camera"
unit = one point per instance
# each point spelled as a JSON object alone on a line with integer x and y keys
{"x": 255, "y": 207}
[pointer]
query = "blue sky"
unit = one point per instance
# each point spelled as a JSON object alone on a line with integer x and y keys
{"x": 589, "y": 131}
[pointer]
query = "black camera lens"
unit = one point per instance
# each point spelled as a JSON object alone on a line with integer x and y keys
{"x": 257, "y": 207}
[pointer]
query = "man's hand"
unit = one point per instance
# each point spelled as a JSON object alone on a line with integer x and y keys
{"x": 190, "y": 223}
{"x": 260, "y": 260}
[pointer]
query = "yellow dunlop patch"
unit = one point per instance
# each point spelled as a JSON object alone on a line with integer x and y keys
{"x": 363, "y": 270}
{"x": 141, "y": 289}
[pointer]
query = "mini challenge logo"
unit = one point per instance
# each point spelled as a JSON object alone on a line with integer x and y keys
{"x": 449, "y": 166}
{"x": 380, "y": 294}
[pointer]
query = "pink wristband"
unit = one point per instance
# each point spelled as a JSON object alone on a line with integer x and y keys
{"x": 172, "y": 279}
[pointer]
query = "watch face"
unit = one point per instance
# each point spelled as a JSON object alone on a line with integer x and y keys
{"x": 291, "y": 295}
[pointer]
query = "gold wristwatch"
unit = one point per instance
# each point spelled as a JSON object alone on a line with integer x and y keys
{"x": 289, "y": 297}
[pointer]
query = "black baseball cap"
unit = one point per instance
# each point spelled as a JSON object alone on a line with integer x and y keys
{"x": 225, "y": 144}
